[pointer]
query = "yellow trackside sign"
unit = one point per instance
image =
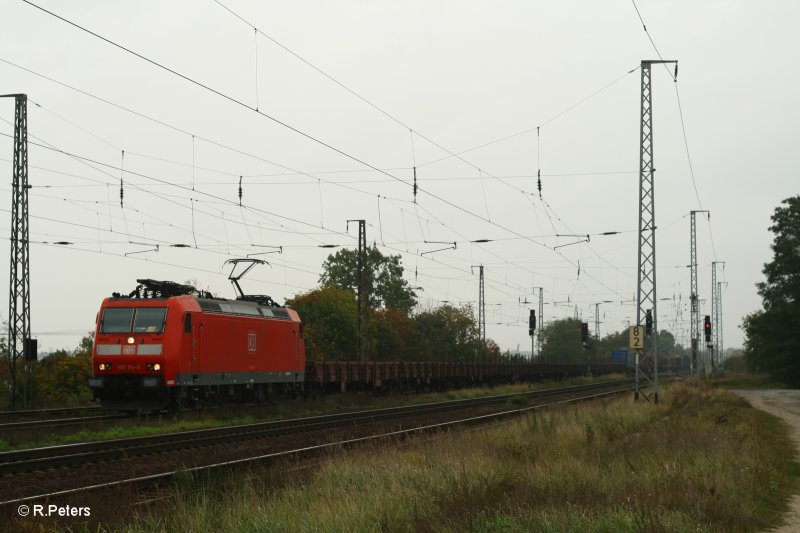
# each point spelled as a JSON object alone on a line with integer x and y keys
{"x": 637, "y": 338}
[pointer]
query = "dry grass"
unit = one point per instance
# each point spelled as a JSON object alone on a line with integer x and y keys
{"x": 703, "y": 460}
{"x": 749, "y": 380}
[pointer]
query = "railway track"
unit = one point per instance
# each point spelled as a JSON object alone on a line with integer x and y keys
{"x": 109, "y": 450}
{"x": 47, "y": 423}
{"x": 43, "y": 413}
{"x": 37, "y": 462}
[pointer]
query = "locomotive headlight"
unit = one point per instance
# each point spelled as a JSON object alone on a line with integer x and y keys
{"x": 104, "y": 366}
{"x": 131, "y": 340}
{"x": 156, "y": 367}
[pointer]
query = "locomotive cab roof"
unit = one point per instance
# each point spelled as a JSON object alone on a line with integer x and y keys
{"x": 157, "y": 289}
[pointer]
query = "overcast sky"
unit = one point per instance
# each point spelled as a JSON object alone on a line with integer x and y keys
{"x": 405, "y": 84}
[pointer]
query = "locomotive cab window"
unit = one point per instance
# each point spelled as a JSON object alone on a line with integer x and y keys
{"x": 149, "y": 320}
{"x": 116, "y": 320}
{"x": 128, "y": 319}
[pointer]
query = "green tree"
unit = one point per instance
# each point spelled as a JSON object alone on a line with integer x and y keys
{"x": 772, "y": 341}
{"x": 666, "y": 342}
{"x": 447, "y": 333}
{"x": 609, "y": 343}
{"x": 329, "y": 323}
{"x": 61, "y": 379}
{"x": 562, "y": 342}
{"x": 5, "y": 370}
{"x": 384, "y": 276}
{"x": 493, "y": 351}
{"x": 681, "y": 350}
{"x": 86, "y": 344}
{"x": 394, "y": 336}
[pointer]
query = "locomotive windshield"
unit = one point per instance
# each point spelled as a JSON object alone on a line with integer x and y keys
{"x": 133, "y": 320}
{"x": 116, "y": 320}
{"x": 149, "y": 320}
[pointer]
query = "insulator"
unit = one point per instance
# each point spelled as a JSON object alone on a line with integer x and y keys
{"x": 240, "y": 191}
{"x": 415, "y": 184}
{"x": 121, "y": 184}
{"x": 539, "y": 182}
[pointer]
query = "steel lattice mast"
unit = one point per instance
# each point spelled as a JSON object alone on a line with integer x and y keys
{"x": 481, "y": 316}
{"x": 646, "y": 271}
{"x": 541, "y": 321}
{"x": 719, "y": 322}
{"x": 362, "y": 327}
{"x": 597, "y": 321}
{"x": 19, "y": 297}
{"x": 694, "y": 297}
{"x": 715, "y": 317}
{"x": 712, "y": 347}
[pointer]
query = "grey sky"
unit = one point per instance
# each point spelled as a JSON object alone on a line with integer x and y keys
{"x": 459, "y": 73}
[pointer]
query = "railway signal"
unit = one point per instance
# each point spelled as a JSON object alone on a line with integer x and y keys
{"x": 648, "y": 322}
{"x": 584, "y": 333}
{"x": 532, "y": 322}
{"x": 707, "y": 328}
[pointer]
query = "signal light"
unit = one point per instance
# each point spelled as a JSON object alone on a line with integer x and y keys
{"x": 707, "y": 328}
{"x": 532, "y": 322}
{"x": 584, "y": 332}
{"x": 648, "y": 322}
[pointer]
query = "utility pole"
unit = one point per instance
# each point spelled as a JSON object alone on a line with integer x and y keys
{"x": 719, "y": 323}
{"x": 694, "y": 298}
{"x": 19, "y": 297}
{"x": 363, "y": 293}
{"x": 541, "y": 321}
{"x": 597, "y": 317}
{"x": 597, "y": 321}
{"x": 481, "y": 316}
{"x": 596, "y": 328}
{"x": 540, "y": 325}
{"x": 715, "y": 317}
{"x": 646, "y": 271}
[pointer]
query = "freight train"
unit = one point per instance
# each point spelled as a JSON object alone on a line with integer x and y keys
{"x": 167, "y": 344}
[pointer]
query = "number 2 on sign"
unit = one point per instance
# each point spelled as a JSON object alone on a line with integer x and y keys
{"x": 636, "y": 338}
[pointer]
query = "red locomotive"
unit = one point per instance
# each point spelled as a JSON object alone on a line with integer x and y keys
{"x": 167, "y": 343}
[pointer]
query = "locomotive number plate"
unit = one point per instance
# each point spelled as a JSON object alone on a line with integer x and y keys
{"x": 129, "y": 349}
{"x": 251, "y": 341}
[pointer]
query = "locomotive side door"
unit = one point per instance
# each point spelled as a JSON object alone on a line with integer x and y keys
{"x": 299, "y": 349}
{"x": 195, "y": 363}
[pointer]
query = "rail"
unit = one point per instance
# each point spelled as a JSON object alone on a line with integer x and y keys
{"x": 580, "y": 393}
{"x": 108, "y": 450}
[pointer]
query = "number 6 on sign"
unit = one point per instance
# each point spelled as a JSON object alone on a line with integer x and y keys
{"x": 637, "y": 338}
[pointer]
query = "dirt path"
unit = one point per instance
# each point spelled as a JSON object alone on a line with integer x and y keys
{"x": 784, "y": 404}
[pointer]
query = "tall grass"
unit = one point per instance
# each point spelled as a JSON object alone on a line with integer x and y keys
{"x": 703, "y": 460}
{"x": 749, "y": 380}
